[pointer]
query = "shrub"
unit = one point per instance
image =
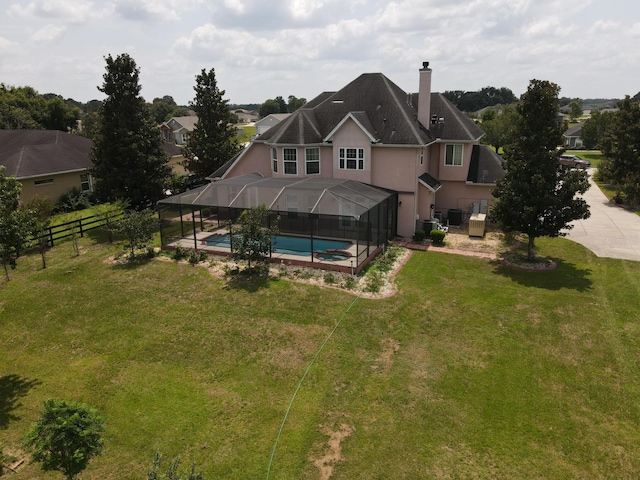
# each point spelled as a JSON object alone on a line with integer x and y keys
{"x": 419, "y": 235}
{"x": 180, "y": 253}
{"x": 374, "y": 281}
{"x": 437, "y": 237}
{"x": 329, "y": 278}
{"x": 197, "y": 256}
{"x": 349, "y": 282}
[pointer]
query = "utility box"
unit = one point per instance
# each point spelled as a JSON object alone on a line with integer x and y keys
{"x": 429, "y": 225}
{"x": 477, "y": 224}
{"x": 455, "y": 217}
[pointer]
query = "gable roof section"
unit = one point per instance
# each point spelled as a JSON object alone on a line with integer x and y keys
{"x": 485, "y": 166}
{"x": 375, "y": 101}
{"x": 431, "y": 183}
{"x": 362, "y": 120}
{"x": 33, "y": 153}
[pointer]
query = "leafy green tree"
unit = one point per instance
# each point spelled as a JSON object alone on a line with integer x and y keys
{"x": 162, "y": 109}
{"x": 594, "y": 129}
{"x": 295, "y": 103}
{"x": 213, "y": 140}
{"x": 251, "y": 238}
{"x": 268, "y": 107}
{"x": 128, "y": 160}
{"x": 621, "y": 146}
{"x": 137, "y": 227}
{"x": 498, "y": 129}
{"x": 172, "y": 471}
{"x": 40, "y": 211}
{"x": 65, "y": 437}
{"x": 575, "y": 109}
{"x": 537, "y": 196}
{"x": 14, "y": 222}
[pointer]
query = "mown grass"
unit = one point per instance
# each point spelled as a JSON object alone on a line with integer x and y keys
{"x": 470, "y": 371}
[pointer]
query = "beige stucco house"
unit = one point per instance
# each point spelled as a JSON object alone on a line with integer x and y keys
{"x": 48, "y": 163}
{"x": 418, "y": 145}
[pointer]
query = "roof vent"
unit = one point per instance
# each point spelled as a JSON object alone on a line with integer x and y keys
{"x": 425, "y": 65}
{"x": 338, "y": 101}
{"x": 434, "y": 119}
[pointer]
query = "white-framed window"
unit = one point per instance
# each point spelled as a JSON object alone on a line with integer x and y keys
{"x": 421, "y": 157}
{"x": 351, "y": 158}
{"x": 453, "y": 155}
{"x": 47, "y": 181}
{"x": 274, "y": 159}
{"x": 290, "y": 158}
{"x": 85, "y": 182}
{"x": 312, "y": 160}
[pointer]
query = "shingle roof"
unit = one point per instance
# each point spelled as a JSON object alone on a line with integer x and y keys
{"x": 457, "y": 126}
{"x": 375, "y": 101}
{"x": 575, "y": 131}
{"x": 30, "y": 153}
{"x": 486, "y": 165}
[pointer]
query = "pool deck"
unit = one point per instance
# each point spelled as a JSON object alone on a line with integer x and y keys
{"x": 276, "y": 257}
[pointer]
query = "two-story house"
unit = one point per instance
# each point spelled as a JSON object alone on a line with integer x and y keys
{"x": 371, "y": 131}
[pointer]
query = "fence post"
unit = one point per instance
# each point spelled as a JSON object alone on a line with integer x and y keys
{"x": 80, "y": 226}
{"x": 51, "y": 235}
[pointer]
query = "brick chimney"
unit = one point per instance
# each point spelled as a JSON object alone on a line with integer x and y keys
{"x": 424, "y": 96}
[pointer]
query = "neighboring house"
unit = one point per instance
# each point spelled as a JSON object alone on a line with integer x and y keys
{"x": 420, "y": 146}
{"x": 48, "y": 163}
{"x": 269, "y": 121}
{"x": 176, "y": 158}
{"x": 246, "y": 116}
{"x": 573, "y": 136}
{"x": 177, "y": 129}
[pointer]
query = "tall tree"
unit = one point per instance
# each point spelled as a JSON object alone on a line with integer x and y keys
{"x": 65, "y": 437}
{"x": 537, "y": 196}
{"x": 128, "y": 160}
{"x": 498, "y": 130}
{"x": 575, "y": 109}
{"x": 213, "y": 140}
{"x": 594, "y": 128}
{"x": 621, "y": 146}
{"x": 295, "y": 103}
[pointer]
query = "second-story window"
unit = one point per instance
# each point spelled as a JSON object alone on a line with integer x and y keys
{"x": 290, "y": 157}
{"x": 351, "y": 158}
{"x": 274, "y": 159}
{"x": 453, "y": 155}
{"x": 312, "y": 160}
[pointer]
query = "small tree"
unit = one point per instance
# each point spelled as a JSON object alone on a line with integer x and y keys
{"x": 14, "y": 222}
{"x": 137, "y": 227}
{"x": 40, "y": 210}
{"x": 252, "y": 240}
{"x": 537, "y": 196}
{"x": 172, "y": 471}
{"x": 65, "y": 437}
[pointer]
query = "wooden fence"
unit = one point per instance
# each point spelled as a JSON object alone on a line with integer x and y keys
{"x": 56, "y": 233}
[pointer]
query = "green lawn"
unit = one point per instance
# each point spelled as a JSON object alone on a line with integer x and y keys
{"x": 470, "y": 371}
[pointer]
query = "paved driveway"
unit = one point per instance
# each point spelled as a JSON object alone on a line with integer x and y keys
{"x": 610, "y": 231}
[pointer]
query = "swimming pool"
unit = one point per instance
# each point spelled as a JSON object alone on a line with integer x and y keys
{"x": 287, "y": 244}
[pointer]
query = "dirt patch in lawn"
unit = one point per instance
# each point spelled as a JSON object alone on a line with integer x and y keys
{"x": 389, "y": 348}
{"x": 333, "y": 454}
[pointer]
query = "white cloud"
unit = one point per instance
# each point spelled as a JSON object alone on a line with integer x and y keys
{"x": 148, "y": 10}
{"x": 68, "y": 11}
{"x": 49, "y": 33}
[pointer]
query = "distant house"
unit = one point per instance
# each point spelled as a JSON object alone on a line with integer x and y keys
{"x": 177, "y": 129}
{"x": 573, "y": 136}
{"x": 176, "y": 158}
{"x": 246, "y": 116}
{"x": 48, "y": 163}
{"x": 269, "y": 121}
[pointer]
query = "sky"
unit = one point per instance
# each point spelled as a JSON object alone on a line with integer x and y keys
{"x": 264, "y": 49}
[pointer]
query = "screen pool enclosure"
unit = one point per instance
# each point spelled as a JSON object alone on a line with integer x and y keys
{"x": 308, "y": 212}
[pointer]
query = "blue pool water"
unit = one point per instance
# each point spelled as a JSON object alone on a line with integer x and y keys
{"x": 285, "y": 244}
